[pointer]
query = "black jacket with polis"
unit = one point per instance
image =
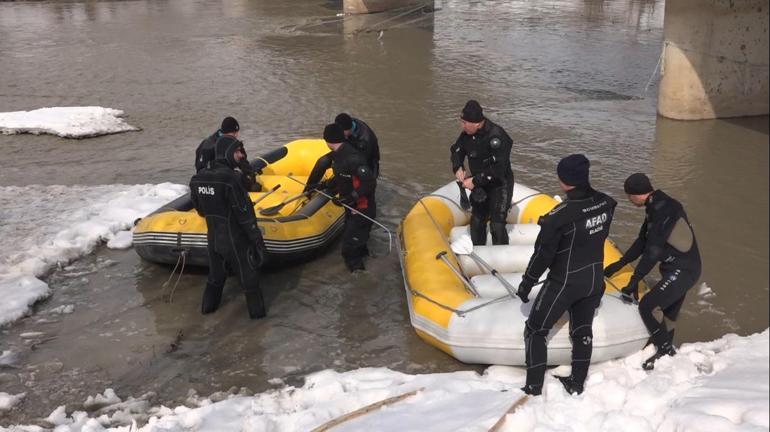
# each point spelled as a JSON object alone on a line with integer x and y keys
{"x": 489, "y": 155}
{"x": 666, "y": 237}
{"x": 218, "y": 194}
{"x": 571, "y": 238}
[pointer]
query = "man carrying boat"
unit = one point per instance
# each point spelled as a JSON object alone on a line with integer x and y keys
{"x": 571, "y": 245}
{"x": 234, "y": 241}
{"x": 666, "y": 237}
{"x": 488, "y": 149}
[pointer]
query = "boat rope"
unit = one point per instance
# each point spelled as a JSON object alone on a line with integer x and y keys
{"x": 654, "y": 72}
{"x": 460, "y": 312}
{"x": 375, "y": 26}
{"x": 517, "y": 202}
{"x": 183, "y": 260}
{"x": 357, "y": 212}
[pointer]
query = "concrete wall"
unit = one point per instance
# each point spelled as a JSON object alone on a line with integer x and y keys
{"x": 371, "y": 6}
{"x": 715, "y": 59}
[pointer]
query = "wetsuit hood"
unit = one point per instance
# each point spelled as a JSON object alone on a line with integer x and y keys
{"x": 225, "y": 149}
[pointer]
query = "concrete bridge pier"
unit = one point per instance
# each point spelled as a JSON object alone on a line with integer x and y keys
{"x": 371, "y": 6}
{"x": 715, "y": 59}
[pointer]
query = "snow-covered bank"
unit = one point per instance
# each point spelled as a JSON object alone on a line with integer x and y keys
{"x": 67, "y": 122}
{"x": 712, "y": 386}
{"x": 45, "y": 226}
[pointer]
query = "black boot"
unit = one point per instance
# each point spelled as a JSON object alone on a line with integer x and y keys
{"x": 255, "y": 304}
{"x": 532, "y": 390}
{"x": 665, "y": 350}
{"x": 569, "y": 383}
{"x": 212, "y": 296}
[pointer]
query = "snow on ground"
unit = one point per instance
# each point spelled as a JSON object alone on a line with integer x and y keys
{"x": 7, "y": 401}
{"x": 717, "y": 386}
{"x": 48, "y": 226}
{"x": 67, "y": 122}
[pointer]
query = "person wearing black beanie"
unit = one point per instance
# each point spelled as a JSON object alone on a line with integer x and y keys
{"x": 358, "y": 133}
{"x": 487, "y": 147}
{"x": 570, "y": 244}
{"x": 573, "y": 170}
{"x": 205, "y": 154}
{"x": 665, "y": 238}
{"x": 354, "y": 184}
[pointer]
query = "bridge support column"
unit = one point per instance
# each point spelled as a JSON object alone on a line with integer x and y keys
{"x": 715, "y": 59}
{"x": 372, "y": 6}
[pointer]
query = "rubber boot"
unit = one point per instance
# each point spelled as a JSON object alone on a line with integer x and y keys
{"x": 532, "y": 390}
{"x": 478, "y": 230}
{"x": 255, "y": 304}
{"x": 572, "y": 386}
{"x": 499, "y": 233}
{"x": 666, "y": 350}
{"x": 212, "y": 296}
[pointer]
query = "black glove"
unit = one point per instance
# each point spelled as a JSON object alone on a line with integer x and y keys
{"x": 478, "y": 195}
{"x": 343, "y": 201}
{"x": 525, "y": 287}
{"x": 630, "y": 294}
{"x": 613, "y": 268}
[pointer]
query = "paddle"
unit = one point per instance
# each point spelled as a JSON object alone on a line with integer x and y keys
{"x": 277, "y": 208}
{"x": 275, "y": 188}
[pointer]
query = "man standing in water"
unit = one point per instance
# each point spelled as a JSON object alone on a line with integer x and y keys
{"x": 354, "y": 183}
{"x": 234, "y": 240}
{"x": 666, "y": 237}
{"x": 488, "y": 149}
{"x": 571, "y": 245}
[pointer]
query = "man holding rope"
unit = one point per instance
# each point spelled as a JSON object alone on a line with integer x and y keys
{"x": 354, "y": 184}
{"x": 571, "y": 245}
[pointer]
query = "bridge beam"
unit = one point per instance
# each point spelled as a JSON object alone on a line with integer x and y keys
{"x": 372, "y": 6}
{"x": 715, "y": 59}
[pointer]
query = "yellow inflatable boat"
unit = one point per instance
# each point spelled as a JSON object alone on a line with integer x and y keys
{"x": 301, "y": 228}
{"x": 456, "y": 305}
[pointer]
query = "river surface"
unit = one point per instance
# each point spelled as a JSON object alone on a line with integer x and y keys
{"x": 560, "y": 76}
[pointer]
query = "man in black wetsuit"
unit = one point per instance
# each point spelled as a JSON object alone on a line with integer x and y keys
{"x": 234, "y": 240}
{"x": 205, "y": 154}
{"x": 571, "y": 245}
{"x": 666, "y": 237}
{"x": 354, "y": 183}
{"x": 488, "y": 149}
{"x": 358, "y": 133}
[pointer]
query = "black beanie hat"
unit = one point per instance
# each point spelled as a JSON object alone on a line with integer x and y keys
{"x": 637, "y": 184}
{"x": 573, "y": 170}
{"x": 334, "y": 134}
{"x": 472, "y": 112}
{"x": 344, "y": 120}
{"x": 230, "y": 125}
{"x": 225, "y": 148}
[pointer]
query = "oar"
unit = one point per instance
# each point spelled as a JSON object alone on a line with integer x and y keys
{"x": 275, "y": 188}
{"x": 464, "y": 246}
{"x": 277, "y": 208}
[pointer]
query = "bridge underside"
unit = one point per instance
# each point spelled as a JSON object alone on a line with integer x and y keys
{"x": 715, "y": 59}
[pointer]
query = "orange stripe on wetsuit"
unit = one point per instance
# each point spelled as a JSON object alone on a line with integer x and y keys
{"x": 362, "y": 202}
